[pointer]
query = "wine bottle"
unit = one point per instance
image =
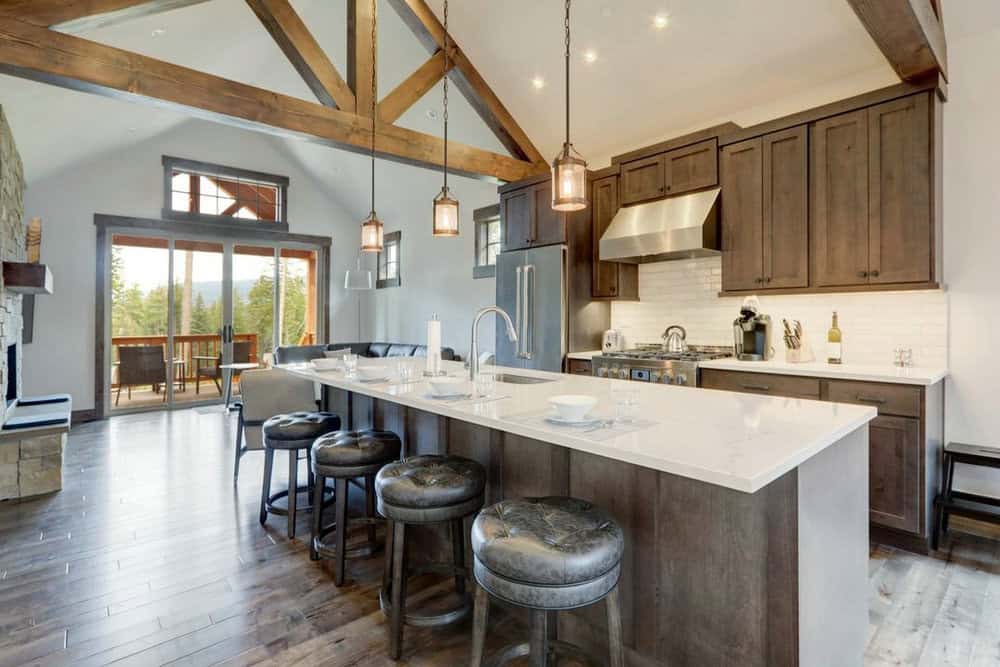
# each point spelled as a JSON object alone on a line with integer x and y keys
{"x": 833, "y": 343}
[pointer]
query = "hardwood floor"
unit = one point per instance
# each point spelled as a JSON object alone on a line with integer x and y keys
{"x": 150, "y": 555}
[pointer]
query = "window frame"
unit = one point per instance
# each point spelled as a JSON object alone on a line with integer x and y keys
{"x": 392, "y": 238}
{"x": 171, "y": 163}
{"x": 481, "y": 219}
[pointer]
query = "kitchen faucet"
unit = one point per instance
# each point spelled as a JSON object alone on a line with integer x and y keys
{"x": 474, "y": 344}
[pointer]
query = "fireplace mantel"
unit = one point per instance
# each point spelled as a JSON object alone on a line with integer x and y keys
{"x": 27, "y": 278}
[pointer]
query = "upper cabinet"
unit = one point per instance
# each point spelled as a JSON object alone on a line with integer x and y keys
{"x": 611, "y": 280}
{"x": 674, "y": 172}
{"x": 527, "y": 218}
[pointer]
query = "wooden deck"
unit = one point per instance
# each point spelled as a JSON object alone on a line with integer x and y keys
{"x": 151, "y": 555}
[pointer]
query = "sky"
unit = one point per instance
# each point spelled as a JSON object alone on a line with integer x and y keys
{"x": 148, "y": 267}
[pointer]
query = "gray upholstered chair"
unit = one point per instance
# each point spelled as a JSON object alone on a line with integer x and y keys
{"x": 267, "y": 392}
{"x": 140, "y": 365}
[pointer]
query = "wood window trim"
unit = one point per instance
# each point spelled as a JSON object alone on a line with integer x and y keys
{"x": 481, "y": 217}
{"x": 170, "y": 163}
{"x": 394, "y": 238}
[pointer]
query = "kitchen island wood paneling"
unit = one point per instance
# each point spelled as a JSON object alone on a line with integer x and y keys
{"x": 733, "y": 553}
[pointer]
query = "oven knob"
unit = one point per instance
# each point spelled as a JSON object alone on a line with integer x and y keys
{"x": 667, "y": 378}
{"x": 623, "y": 373}
{"x": 682, "y": 379}
{"x": 602, "y": 372}
{"x": 654, "y": 376}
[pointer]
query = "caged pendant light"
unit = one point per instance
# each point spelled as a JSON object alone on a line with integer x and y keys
{"x": 445, "y": 206}
{"x": 569, "y": 169}
{"x": 371, "y": 227}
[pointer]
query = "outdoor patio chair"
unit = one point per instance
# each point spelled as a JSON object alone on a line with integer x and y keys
{"x": 140, "y": 365}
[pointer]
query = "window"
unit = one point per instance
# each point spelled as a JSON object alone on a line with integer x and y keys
{"x": 487, "y": 223}
{"x": 200, "y": 191}
{"x": 388, "y": 261}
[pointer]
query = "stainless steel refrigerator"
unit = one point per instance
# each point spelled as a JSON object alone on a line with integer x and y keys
{"x": 531, "y": 287}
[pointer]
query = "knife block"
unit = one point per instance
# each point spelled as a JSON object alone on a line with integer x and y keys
{"x": 802, "y": 355}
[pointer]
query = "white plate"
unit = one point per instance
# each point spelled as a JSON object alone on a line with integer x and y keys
{"x": 586, "y": 421}
{"x": 373, "y": 380}
{"x": 448, "y": 397}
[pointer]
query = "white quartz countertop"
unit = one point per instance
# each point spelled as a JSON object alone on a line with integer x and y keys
{"x": 739, "y": 441}
{"x": 909, "y": 375}
{"x": 583, "y": 356}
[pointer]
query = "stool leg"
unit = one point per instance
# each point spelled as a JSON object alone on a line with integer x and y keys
{"x": 293, "y": 490}
{"x": 480, "y": 617}
{"x": 387, "y": 568}
{"x": 340, "y": 531}
{"x": 266, "y": 487}
{"x": 615, "y": 628}
{"x": 370, "y": 505}
{"x": 397, "y": 592}
{"x": 317, "y": 518}
{"x": 458, "y": 552}
{"x": 538, "y": 655}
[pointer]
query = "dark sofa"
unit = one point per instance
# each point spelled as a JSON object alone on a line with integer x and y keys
{"x": 291, "y": 354}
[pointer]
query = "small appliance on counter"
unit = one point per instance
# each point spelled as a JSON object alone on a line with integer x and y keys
{"x": 612, "y": 341}
{"x": 752, "y": 332}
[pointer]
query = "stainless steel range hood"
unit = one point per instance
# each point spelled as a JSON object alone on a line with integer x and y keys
{"x": 676, "y": 228}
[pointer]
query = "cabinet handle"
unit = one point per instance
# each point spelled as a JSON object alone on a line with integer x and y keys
{"x": 756, "y": 387}
{"x": 869, "y": 399}
{"x": 768, "y": 279}
{"x": 874, "y": 274}
{"x": 862, "y": 274}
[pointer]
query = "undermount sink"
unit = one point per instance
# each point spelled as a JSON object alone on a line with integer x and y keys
{"x": 519, "y": 379}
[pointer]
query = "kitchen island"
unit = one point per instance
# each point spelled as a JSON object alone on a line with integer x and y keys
{"x": 745, "y": 517}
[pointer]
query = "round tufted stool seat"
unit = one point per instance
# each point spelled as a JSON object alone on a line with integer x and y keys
{"x": 423, "y": 490}
{"x": 430, "y": 488}
{"x": 293, "y": 432}
{"x": 546, "y": 554}
{"x": 344, "y": 456}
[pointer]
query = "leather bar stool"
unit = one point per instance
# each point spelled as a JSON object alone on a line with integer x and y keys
{"x": 425, "y": 490}
{"x": 294, "y": 433}
{"x": 547, "y": 555}
{"x": 345, "y": 456}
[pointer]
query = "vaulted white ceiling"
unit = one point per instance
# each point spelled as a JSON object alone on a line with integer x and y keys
{"x": 715, "y": 58}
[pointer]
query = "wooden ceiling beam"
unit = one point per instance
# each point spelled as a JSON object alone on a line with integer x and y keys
{"x": 425, "y": 25}
{"x": 304, "y": 52}
{"x": 360, "y": 16}
{"x": 908, "y": 32}
{"x": 415, "y": 86}
{"x": 47, "y": 56}
{"x": 75, "y": 16}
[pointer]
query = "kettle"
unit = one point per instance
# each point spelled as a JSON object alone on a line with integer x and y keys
{"x": 612, "y": 341}
{"x": 675, "y": 339}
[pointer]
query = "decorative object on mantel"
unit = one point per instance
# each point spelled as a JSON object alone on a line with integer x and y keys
{"x": 797, "y": 348}
{"x": 33, "y": 241}
{"x": 569, "y": 169}
{"x": 445, "y": 206}
{"x": 371, "y": 227}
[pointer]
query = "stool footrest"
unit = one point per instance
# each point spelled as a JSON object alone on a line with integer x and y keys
{"x": 428, "y": 620}
{"x": 557, "y": 647}
{"x": 277, "y": 510}
{"x": 367, "y": 548}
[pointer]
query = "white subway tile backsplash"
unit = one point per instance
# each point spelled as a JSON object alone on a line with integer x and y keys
{"x": 873, "y": 323}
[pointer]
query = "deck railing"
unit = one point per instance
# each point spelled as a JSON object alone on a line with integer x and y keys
{"x": 186, "y": 348}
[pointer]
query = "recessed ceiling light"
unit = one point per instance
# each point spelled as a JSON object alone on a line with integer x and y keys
{"x": 590, "y": 56}
{"x": 159, "y": 32}
{"x": 538, "y": 83}
{"x": 660, "y": 21}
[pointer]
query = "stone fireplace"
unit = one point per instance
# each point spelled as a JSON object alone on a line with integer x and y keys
{"x": 12, "y": 248}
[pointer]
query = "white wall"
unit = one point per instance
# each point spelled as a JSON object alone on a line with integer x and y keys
{"x": 129, "y": 181}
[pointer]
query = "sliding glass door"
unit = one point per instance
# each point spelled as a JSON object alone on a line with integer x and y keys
{"x": 183, "y": 307}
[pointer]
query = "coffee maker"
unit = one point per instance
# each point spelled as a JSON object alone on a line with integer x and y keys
{"x": 752, "y": 332}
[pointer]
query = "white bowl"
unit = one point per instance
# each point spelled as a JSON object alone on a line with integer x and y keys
{"x": 324, "y": 364}
{"x": 449, "y": 386}
{"x": 573, "y": 407}
{"x": 373, "y": 372}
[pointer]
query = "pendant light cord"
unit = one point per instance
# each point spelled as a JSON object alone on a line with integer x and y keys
{"x": 446, "y": 62}
{"x": 374, "y": 94}
{"x": 567, "y": 72}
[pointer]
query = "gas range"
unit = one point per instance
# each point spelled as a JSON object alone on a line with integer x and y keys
{"x": 651, "y": 363}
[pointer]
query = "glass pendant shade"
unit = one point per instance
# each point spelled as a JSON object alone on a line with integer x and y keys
{"x": 371, "y": 234}
{"x": 569, "y": 181}
{"x": 358, "y": 278}
{"x": 445, "y": 214}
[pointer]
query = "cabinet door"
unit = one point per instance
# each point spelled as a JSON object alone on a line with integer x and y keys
{"x": 515, "y": 218}
{"x": 742, "y": 216}
{"x": 900, "y": 227}
{"x": 839, "y": 200}
{"x": 549, "y": 225}
{"x": 693, "y": 167}
{"x": 643, "y": 180}
{"x": 605, "y": 204}
{"x": 786, "y": 209}
{"x": 894, "y": 472}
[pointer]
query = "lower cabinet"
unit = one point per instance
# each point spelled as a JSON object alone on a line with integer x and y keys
{"x": 894, "y": 454}
{"x": 579, "y": 367}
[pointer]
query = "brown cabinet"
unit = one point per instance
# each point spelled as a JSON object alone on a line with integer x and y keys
{"x": 675, "y": 172}
{"x": 871, "y": 195}
{"x": 761, "y": 383}
{"x": 527, "y": 218}
{"x": 579, "y": 367}
{"x": 765, "y": 218}
{"x": 894, "y": 454}
{"x": 611, "y": 280}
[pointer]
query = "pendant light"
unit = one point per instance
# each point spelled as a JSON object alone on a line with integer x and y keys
{"x": 358, "y": 278}
{"x": 569, "y": 169}
{"x": 371, "y": 227}
{"x": 445, "y": 206}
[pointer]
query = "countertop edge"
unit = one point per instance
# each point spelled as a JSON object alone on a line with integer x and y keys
{"x": 927, "y": 377}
